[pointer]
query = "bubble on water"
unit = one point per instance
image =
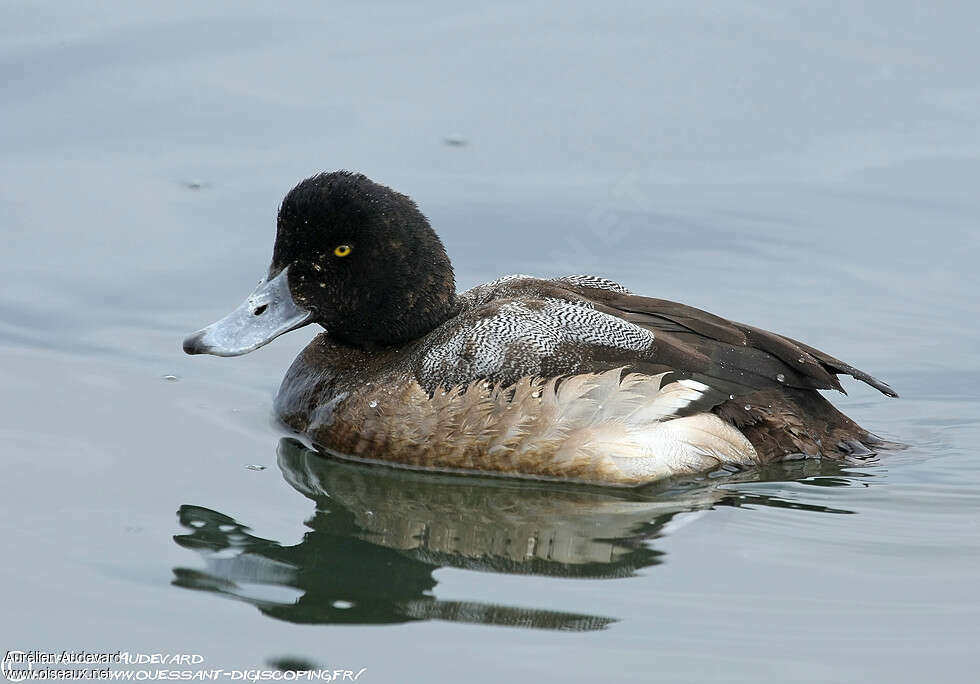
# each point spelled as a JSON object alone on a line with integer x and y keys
{"x": 731, "y": 396}
{"x": 748, "y": 407}
{"x": 781, "y": 377}
{"x": 170, "y": 378}
{"x": 373, "y": 403}
{"x": 342, "y": 604}
{"x": 255, "y": 466}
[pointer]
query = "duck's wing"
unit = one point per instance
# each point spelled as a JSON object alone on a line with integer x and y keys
{"x": 722, "y": 352}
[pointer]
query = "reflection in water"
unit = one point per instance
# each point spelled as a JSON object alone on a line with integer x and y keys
{"x": 378, "y": 534}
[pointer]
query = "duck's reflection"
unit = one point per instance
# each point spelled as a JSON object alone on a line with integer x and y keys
{"x": 378, "y": 534}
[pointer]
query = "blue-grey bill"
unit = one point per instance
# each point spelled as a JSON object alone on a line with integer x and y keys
{"x": 267, "y": 313}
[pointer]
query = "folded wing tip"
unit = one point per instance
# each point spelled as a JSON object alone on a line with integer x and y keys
{"x": 882, "y": 387}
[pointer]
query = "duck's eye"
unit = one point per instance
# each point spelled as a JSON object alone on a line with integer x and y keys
{"x": 341, "y": 250}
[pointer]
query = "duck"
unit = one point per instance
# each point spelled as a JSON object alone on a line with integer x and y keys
{"x": 574, "y": 378}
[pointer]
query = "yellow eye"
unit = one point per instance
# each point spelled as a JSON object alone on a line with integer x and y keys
{"x": 341, "y": 250}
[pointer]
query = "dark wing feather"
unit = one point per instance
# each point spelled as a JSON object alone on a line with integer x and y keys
{"x": 732, "y": 355}
{"x": 839, "y": 367}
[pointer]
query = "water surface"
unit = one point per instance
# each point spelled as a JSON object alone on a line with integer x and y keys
{"x": 808, "y": 169}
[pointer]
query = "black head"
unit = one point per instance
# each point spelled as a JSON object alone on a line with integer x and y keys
{"x": 356, "y": 257}
{"x": 363, "y": 259}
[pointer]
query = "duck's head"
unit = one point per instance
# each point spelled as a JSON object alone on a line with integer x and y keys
{"x": 354, "y": 256}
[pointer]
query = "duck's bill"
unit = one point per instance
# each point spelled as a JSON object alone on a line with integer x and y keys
{"x": 267, "y": 313}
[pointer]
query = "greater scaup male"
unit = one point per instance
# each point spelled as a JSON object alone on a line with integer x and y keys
{"x": 574, "y": 378}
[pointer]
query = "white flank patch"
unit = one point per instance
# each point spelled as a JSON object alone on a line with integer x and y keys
{"x": 629, "y": 423}
{"x": 682, "y": 446}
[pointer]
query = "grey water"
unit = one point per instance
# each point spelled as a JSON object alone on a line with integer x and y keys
{"x": 810, "y": 168}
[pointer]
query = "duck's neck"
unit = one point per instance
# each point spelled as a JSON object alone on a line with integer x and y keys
{"x": 401, "y": 317}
